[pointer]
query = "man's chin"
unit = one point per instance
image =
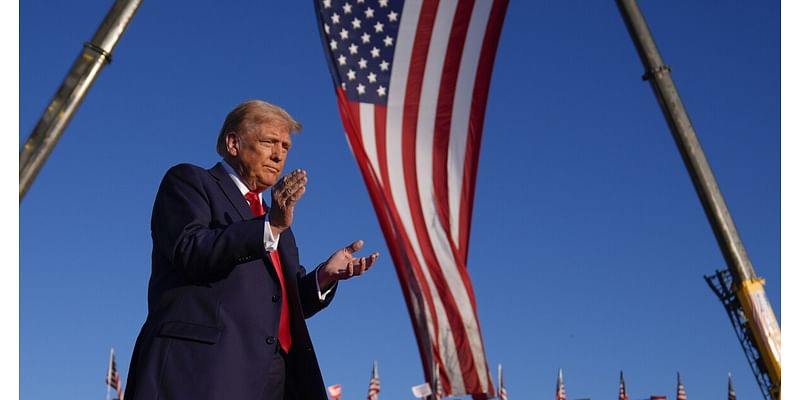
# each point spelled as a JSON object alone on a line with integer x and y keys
{"x": 270, "y": 181}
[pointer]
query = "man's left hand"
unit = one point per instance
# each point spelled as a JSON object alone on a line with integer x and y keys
{"x": 343, "y": 265}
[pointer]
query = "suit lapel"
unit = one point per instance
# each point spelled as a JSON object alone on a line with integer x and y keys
{"x": 240, "y": 204}
{"x": 231, "y": 191}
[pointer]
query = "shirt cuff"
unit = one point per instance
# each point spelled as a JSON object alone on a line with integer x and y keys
{"x": 321, "y": 295}
{"x": 270, "y": 241}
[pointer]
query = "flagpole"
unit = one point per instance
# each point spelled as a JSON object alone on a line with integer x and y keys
{"x": 108, "y": 374}
{"x": 96, "y": 53}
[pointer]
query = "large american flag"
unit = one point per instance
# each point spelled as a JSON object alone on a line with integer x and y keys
{"x": 374, "y": 383}
{"x": 411, "y": 80}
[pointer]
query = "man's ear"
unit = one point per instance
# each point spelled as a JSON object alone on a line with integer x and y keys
{"x": 232, "y": 144}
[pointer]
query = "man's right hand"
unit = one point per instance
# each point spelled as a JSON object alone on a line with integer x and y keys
{"x": 285, "y": 195}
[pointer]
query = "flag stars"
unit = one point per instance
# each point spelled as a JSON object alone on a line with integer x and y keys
{"x": 361, "y": 38}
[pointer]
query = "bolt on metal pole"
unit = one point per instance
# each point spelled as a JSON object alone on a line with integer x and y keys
{"x": 658, "y": 74}
{"x": 95, "y": 54}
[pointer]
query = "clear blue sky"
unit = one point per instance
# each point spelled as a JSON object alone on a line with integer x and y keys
{"x": 589, "y": 244}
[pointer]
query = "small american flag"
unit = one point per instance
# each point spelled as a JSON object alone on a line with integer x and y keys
{"x": 335, "y": 391}
{"x": 623, "y": 393}
{"x": 561, "y": 391}
{"x": 112, "y": 376}
{"x": 681, "y": 390}
{"x": 374, "y": 383}
{"x": 731, "y": 392}
{"x": 411, "y": 79}
{"x": 501, "y": 391}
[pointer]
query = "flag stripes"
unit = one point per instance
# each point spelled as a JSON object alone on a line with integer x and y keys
{"x": 416, "y": 146}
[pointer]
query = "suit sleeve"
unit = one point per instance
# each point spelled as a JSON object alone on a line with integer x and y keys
{"x": 183, "y": 232}
{"x": 309, "y": 294}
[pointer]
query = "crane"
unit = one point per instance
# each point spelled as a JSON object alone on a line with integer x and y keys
{"x": 740, "y": 289}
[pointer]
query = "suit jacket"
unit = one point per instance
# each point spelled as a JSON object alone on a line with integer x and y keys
{"x": 214, "y": 298}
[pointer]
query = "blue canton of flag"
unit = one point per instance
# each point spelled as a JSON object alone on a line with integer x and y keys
{"x": 361, "y": 36}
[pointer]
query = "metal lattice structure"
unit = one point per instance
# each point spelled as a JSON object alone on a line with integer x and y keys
{"x": 722, "y": 285}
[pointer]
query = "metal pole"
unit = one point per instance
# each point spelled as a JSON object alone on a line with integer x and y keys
{"x": 682, "y": 131}
{"x": 95, "y": 54}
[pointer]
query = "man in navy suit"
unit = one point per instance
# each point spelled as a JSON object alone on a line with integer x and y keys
{"x": 227, "y": 297}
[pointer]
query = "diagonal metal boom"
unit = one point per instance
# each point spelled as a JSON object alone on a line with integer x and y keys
{"x": 95, "y": 54}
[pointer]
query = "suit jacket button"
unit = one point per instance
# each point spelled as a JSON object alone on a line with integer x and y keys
{"x": 276, "y": 298}
{"x": 270, "y": 340}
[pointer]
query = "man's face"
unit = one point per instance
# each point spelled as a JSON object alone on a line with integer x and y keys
{"x": 260, "y": 154}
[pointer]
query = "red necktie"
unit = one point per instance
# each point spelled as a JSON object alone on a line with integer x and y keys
{"x": 284, "y": 326}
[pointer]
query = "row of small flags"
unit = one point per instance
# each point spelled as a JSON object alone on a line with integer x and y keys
{"x": 561, "y": 392}
{"x": 424, "y": 390}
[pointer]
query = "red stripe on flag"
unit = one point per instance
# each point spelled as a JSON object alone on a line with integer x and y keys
{"x": 410, "y": 117}
{"x": 401, "y": 252}
{"x": 444, "y": 111}
{"x": 479, "y": 98}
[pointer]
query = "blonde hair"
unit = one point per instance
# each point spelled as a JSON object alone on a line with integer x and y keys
{"x": 249, "y": 114}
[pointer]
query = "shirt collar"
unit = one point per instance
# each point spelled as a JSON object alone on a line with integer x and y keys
{"x": 236, "y": 179}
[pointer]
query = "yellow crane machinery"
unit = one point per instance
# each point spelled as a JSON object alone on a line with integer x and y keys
{"x": 756, "y": 327}
{"x": 741, "y": 291}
